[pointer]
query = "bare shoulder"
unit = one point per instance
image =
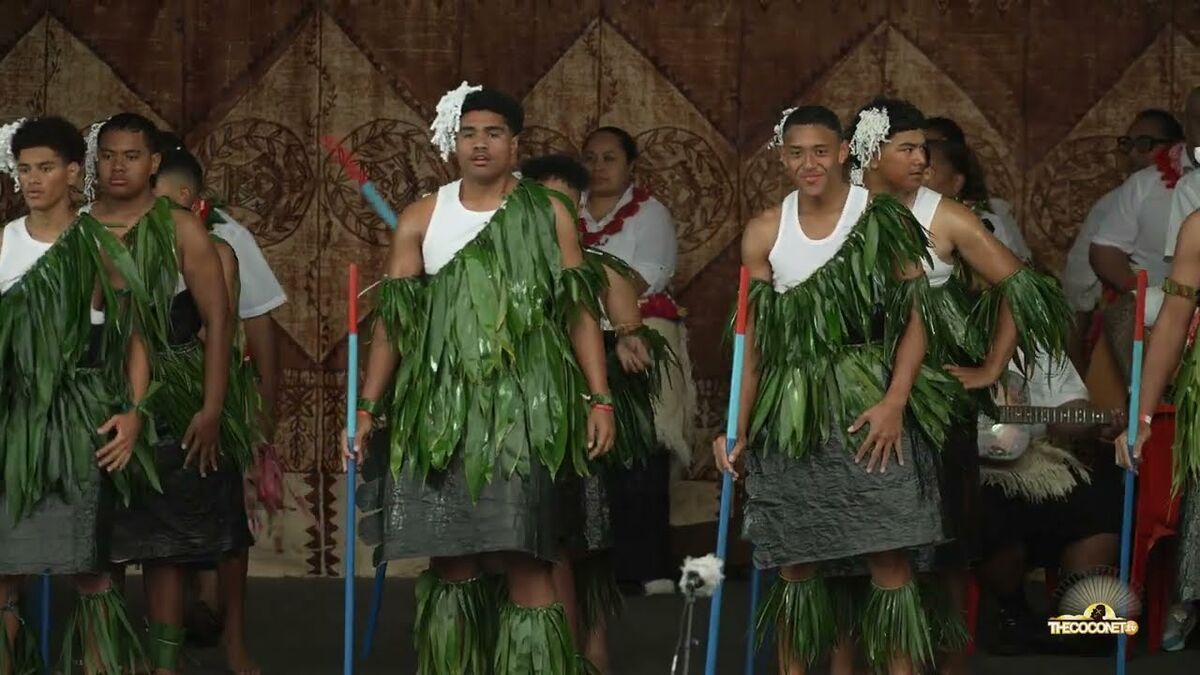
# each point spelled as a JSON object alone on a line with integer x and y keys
{"x": 952, "y": 216}
{"x": 1189, "y": 237}
{"x": 764, "y": 224}
{"x": 188, "y": 228}
{"x": 416, "y": 216}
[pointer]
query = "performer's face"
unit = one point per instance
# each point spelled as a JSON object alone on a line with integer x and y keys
{"x": 125, "y": 163}
{"x": 812, "y": 155}
{"x": 902, "y": 161}
{"x": 45, "y": 178}
{"x": 486, "y": 148}
{"x": 559, "y": 185}
{"x": 941, "y": 175}
{"x": 610, "y": 168}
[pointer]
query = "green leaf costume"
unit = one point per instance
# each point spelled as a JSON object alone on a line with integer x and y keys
{"x": 62, "y": 378}
{"x": 487, "y": 372}
{"x": 177, "y": 370}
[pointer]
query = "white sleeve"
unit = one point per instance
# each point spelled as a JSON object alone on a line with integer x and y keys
{"x": 260, "y": 290}
{"x": 1185, "y": 200}
{"x": 1119, "y": 227}
{"x": 656, "y": 249}
{"x": 1052, "y": 386}
{"x": 1006, "y": 229}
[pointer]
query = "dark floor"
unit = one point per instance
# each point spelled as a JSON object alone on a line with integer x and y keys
{"x": 296, "y": 629}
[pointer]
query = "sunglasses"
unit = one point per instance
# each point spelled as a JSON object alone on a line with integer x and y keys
{"x": 1139, "y": 143}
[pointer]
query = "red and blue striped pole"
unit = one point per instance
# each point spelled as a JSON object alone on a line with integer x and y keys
{"x": 387, "y": 215}
{"x": 731, "y": 435}
{"x": 1135, "y": 391}
{"x": 351, "y": 468}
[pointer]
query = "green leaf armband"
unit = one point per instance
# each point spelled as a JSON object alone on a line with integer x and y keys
{"x": 370, "y": 407}
{"x": 600, "y": 400}
{"x": 1172, "y": 287}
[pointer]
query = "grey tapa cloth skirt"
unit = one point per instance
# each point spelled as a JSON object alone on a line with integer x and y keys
{"x": 408, "y": 517}
{"x": 825, "y": 508}
{"x": 59, "y": 537}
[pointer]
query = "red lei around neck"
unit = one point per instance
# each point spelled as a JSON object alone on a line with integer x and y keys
{"x": 1168, "y": 161}
{"x": 614, "y": 226}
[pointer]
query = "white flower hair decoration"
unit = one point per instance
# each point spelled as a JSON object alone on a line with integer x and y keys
{"x": 446, "y": 124}
{"x": 89, "y": 161}
{"x": 777, "y": 140}
{"x": 870, "y": 134}
{"x": 8, "y": 161}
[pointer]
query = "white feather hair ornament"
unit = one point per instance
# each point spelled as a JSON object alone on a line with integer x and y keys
{"x": 89, "y": 161}
{"x": 446, "y": 123}
{"x": 701, "y": 576}
{"x": 870, "y": 133}
{"x": 777, "y": 140}
{"x": 8, "y": 161}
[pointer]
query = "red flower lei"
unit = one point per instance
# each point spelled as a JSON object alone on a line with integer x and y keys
{"x": 614, "y": 226}
{"x": 1167, "y": 161}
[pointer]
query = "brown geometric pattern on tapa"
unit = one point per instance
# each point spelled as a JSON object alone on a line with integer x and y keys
{"x": 1041, "y": 88}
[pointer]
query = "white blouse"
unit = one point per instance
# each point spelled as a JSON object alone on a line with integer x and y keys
{"x": 646, "y": 242}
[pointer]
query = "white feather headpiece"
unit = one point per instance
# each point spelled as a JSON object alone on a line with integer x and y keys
{"x": 446, "y": 124}
{"x": 8, "y": 161}
{"x": 701, "y": 576}
{"x": 89, "y": 161}
{"x": 870, "y": 133}
{"x": 777, "y": 140}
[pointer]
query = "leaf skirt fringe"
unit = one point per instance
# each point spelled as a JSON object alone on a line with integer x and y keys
{"x": 894, "y": 623}
{"x": 802, "y": 613}
{"x": 456, "y": 625}
{"x": 100, "y": 630}
{"x": 534, "y": 641}
{"x": 596, "y": 591}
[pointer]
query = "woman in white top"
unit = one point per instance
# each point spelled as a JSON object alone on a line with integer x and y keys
{"x": 623, "y": 219}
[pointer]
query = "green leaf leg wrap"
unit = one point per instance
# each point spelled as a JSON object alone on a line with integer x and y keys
{"x": 803, "y": 615}
{"x": 102, "y": 619}
{"x": 534, "y": 641}
{"x": 456, "y": 625}
{"x": 893, "y": 623}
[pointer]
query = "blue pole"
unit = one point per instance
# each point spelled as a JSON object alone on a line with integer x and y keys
{"x": 1130, "y": 487}
{"x": 45, "y": 621}
{"x": 1131, "y": 438}
{"x": 731, "y": 434}
{"x": 373, "y": 615}
{"x": 351, "y": 473}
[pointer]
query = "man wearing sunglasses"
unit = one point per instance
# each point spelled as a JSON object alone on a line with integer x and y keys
{"x": 1131, "y": 232}
{"x": 1151, "y": 131}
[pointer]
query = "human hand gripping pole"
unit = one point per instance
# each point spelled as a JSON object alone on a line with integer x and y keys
{"x": 731, "y": 436}
{"x": 1134, "y": 424}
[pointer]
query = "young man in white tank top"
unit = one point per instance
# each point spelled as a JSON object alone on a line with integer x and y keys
{"x": 444, "y": 515}
{"x": 47, "y": 157}
{"x": 888, "y": 141}
{"x": 795, "y": 494}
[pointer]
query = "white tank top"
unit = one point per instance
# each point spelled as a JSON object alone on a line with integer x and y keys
{"x": 18, "y": 253}
{"x": 924, "y": 206}
{"x": 795, "y": 257}
{"x": 451, "y": 227}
